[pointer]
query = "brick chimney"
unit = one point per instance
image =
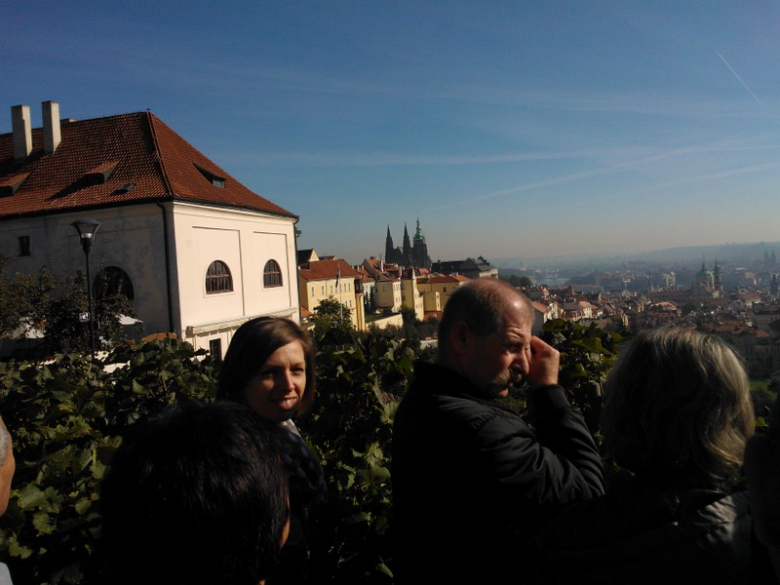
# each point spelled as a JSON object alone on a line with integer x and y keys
{"x": 22, "y": 131}
{"x": 51, "y": 126}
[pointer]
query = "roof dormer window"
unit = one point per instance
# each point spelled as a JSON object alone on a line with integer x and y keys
{"x": 101, "y": 173}
{"x": 10, "y": 185}
{"x": 126, "y": 188}
{"x": 212, "y": 178}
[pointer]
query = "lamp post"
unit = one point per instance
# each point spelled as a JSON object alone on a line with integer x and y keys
{"x": 86, "y": 228}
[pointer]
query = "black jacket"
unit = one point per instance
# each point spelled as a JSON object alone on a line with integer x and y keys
{"x": 643, "y": 533}
{"x": 473, "y": 484}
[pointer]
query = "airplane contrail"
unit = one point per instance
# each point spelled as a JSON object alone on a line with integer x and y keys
{"x": 755, "y": 97}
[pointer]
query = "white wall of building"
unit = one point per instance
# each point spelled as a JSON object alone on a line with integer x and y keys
{"x": 130, "y": 238}
{"x": 133, "y": 239}
{"x": 245, "y": 241}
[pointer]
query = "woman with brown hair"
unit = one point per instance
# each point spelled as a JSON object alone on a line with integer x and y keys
{"x": 269, "y": 366}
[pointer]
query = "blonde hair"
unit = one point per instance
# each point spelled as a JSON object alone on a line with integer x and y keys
{"x": 677, "y": 405}
{"x": 5, "y": 441}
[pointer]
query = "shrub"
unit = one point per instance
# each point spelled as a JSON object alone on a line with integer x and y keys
{"x": 66, "y": 418}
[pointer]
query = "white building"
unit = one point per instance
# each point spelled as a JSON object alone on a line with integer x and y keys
{"x": 198, "y": 252}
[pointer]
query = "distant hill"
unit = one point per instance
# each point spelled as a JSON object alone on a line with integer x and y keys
{"x": 731, "y": 253}
{"x": 722, "y": 252}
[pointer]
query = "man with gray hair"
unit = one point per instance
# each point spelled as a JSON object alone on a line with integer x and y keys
{"x": 7, "y": 469}
{"x": 472, "y": 482}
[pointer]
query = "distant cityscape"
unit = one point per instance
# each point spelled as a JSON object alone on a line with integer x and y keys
{"x": 734, "y": 295}
{"x": 198, "y": 253}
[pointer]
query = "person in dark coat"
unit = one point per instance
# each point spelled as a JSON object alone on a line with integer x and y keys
{"x": 472, "y": 482}
{"x": 762, "y": 470}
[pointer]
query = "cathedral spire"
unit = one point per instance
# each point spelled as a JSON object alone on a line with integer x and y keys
{"x": 407, "y": 249}
{"x": 418, "y": 234}
{"x": 389, "y": 248}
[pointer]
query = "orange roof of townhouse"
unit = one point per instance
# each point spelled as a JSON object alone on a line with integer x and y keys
{"x": 384, "y": 277}
{"x": 115, "y": 161}
{"x": 328, "y": 270}
{"x": 443, "y": 279}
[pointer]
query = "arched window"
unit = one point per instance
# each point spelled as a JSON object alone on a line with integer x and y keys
{"x": 112, "y": 281}
{"x": 218, "y": 278}
{"x": 272, "y": 274}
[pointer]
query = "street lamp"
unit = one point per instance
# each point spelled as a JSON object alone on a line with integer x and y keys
{"x": 86, "y": 228}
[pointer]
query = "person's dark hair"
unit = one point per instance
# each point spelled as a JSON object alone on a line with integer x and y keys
{"x": 677, "y": 406}
{"x": 481, "y": 305}
{"x": 196, "y": 495}
{"x": 251, "y": 346}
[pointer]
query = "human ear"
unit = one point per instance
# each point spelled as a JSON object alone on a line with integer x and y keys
{"x": 460, "y": 337}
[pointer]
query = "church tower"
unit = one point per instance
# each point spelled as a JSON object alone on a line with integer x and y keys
{"x": 413, "y": 253}
{"x": 716, "y": 278}
{"x": 420, "y": 251}
{"x": 389, "y": 248}
{"x": 407, "y": 249}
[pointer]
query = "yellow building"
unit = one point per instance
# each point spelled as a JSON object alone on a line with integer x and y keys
{"x": 437, "y": 288}
{"x": 387, "y": 287}
{"x": 411, "y": 296}
{"x": 332, "y": 279}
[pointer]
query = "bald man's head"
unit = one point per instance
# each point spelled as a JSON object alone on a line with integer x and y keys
{"x": 481, "y": 304}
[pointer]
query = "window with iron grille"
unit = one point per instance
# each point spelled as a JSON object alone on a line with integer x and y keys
{"x": 24, "y": 245}
{"x": 215, "y": 348}
{"x": 272, "y": 274}
{"x": 218, "y": 278}
{"x": 112, "y": 281}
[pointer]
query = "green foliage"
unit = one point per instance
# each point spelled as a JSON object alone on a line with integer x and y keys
{"x": 53, "y": 303}
{"x": 763, "y": 397}
{"x": 351, "y": 430}
{"x": 25, "y": 298}
{"x": 332, "y": 323}
{"x": 587, "y": 355}
{"x": 64, "y": 332}
{"x": 518, "y": 281}
{"x": 66, "y": 418}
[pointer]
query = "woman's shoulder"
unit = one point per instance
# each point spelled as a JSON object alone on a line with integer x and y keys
{"x": 650, "y": 528}
{"x": 304, "y": 471}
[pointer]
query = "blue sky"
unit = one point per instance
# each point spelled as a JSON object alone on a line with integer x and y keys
{"x": 511, "y": 129}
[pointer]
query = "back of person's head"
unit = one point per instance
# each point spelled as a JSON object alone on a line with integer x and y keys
{"x": 7, "y": 466}
{"x": 196, "y": 495}
{"x": 677, "y": 408}
{"x": 481, "y": 304}
{"x": 252, "y": 344}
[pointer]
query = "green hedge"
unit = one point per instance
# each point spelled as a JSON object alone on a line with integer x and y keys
{"x": 67, "y": 418}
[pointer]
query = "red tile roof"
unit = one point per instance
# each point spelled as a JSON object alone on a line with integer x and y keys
{"x": 160, "y": 164}
{"x": 442, "y": 279}
{"x": 328, "y": 269}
